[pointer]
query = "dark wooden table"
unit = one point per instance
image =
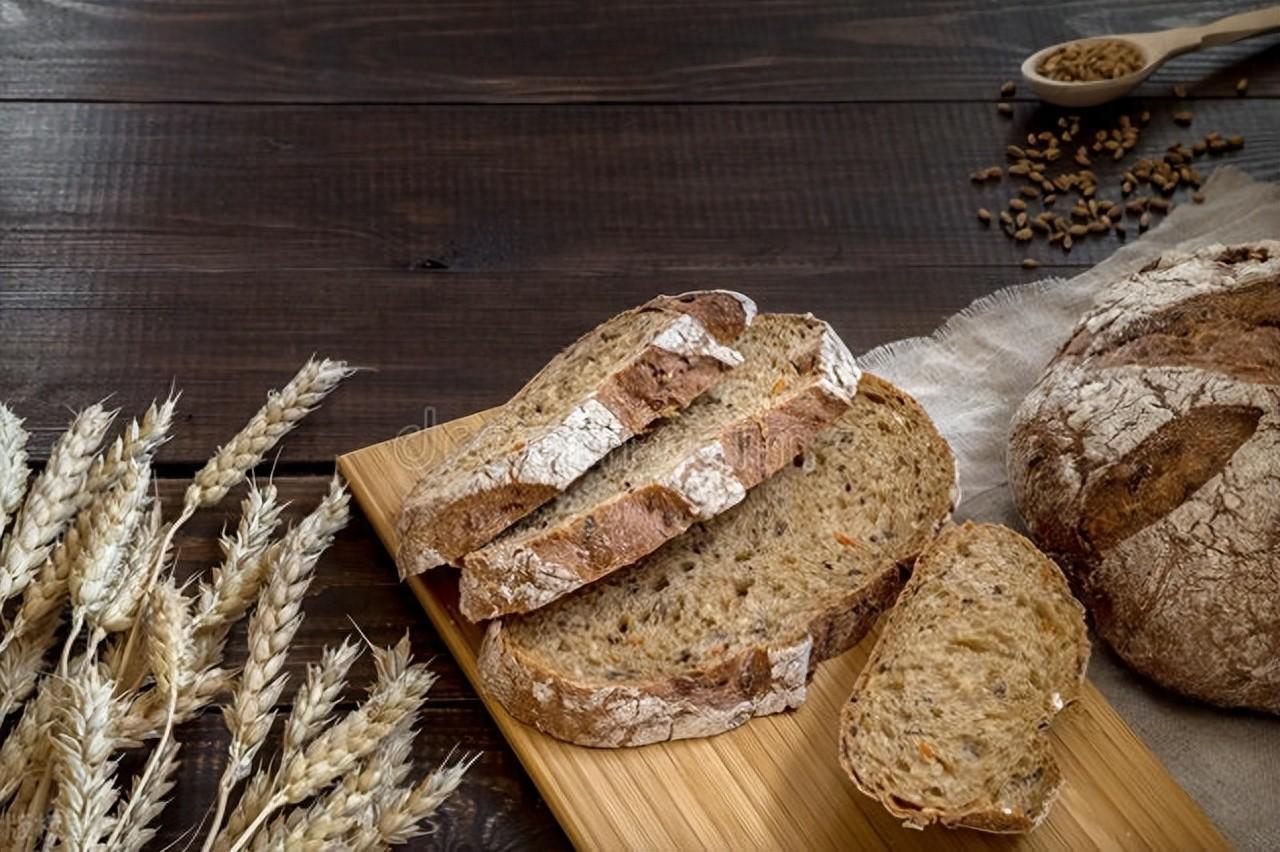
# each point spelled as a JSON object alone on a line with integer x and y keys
{"x": 208, "y": 191}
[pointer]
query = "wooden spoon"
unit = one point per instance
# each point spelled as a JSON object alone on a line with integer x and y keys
{"x": 1156, "y": 48}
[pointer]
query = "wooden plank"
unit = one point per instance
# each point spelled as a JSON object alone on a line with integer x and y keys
{"x": 742, "y": 789}
{"x": 546, "y": 51}
{"x": 585, "y": 189}
{"x": 437, "y": 346}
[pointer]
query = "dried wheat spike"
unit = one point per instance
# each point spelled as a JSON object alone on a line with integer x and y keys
{"x": 26, "y": 745}
{"x": 143, "y": 553}
{"x": 282, "y": 411}
{"x": 315, "y": 700}
{"x": 13, "y": 465}
{"x": 236, "y": 582}
{"x": 399, "y": 816}
{"x": 22, "y": 663}
{"x": 138, "y": 443}
{"x": 83, "y": 767}
{"x": 51, "y": 500}
{"x": 151, "y": 801}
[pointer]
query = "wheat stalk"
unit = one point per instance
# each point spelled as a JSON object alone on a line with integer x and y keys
{"x": 150, "y": 797}
{"x": 250, "y": 712}
{"x": 282, "y": 411}
{"x": 397, "y": 695}
{"x": 83, "y": 769}
{"x": 51, "y": 500}
{"x": 13, "y": 465}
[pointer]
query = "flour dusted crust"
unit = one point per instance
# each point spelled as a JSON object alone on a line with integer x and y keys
{"x": 1147, "y": 459}
{"x": 509, "y": 469}
{"x": 526, "y": 573}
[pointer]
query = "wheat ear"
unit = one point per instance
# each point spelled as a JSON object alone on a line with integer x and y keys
{"x": 283, "y": 411}
{"x": 24, "y": 746}
{"x": 143, "y": 553}
{"x": 84, "y": 770}
{"x": 397, "y": 695}
{"x": 137, "y": 830}
{"x": 237, "y": 581}
{"x": 250, "y": 712}
{"x": 169, "y": 653}
{"x": 96, "y": 573}
{"x": 22, "y": 662}
{"x": 51, "y": 500}
{"x": 137, "y": 443}
{"x": 399, "y": 815}
{"x": 13, "y": 465}
{"x": 316, "y": 699}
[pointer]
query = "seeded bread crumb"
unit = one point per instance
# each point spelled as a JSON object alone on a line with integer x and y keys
{"x": 983, "y": 648}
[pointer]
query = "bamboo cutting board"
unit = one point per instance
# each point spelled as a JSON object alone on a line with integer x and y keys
{"x": 775, "y": 783}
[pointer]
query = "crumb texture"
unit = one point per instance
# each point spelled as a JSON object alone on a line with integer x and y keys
{"x": 729, "y": 620}
{"x": 946, "y": 723}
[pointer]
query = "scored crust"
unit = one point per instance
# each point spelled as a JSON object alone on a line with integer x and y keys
{"x": 471, "y": 497}
{"x": 528, "y": 571}
{"x": 1147, "y": 461}
{"x": 758, "y": 677}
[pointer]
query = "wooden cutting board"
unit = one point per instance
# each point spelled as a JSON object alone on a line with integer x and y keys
{"x": 775, "y": 783}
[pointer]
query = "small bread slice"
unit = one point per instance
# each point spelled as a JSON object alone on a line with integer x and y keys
{"x": 607, "y": 387}
{"x": 729, "y": 620}
{"x": 946, "y": 723}
{"x": 795, "y": 380}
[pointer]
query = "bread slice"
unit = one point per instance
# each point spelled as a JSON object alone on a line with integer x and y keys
{"x": 728, "y": 621}
{"x": 795, "y": 380}
{"x": 607, "y": 387}
{"x": 946, "y": 723}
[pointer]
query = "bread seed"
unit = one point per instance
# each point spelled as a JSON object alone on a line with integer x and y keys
{"x": 1017, "y": 204}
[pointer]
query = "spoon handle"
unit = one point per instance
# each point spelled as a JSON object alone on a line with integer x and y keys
{"x": 1236, "y": 27}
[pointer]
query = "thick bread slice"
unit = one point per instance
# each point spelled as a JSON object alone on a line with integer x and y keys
{"x": 795, "y": 380}
{"x": 728, "y": 621}
{"x": 604, "y": 389}
{"x": 946, "y": 723}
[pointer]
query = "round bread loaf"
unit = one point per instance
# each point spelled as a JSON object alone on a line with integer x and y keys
{"x": 1147, "y": 461}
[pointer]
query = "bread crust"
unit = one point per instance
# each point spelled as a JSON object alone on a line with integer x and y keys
{"x": 526, "y": 573}
{"x": 444, "y": 518}
{"x": 1147, "y": 461}
{"x": 766, "y": 679}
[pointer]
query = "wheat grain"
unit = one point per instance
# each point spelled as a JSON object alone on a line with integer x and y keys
{"x": 146, "y": 716}
{"x": 83, "y": 769}
{"x": 23, "y": 747}
{"x": 13, "y": 465}
{"x": 282, "y": 411}
{"x": 51, "y": 500}
{"x": 22, "y": 663}
{"x": 150, "y": 800}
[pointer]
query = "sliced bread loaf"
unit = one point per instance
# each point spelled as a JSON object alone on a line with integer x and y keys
{"x": 728, "y": 621}
{"x": 795, "y": 380}
{"x": 607, "y": 387}
{"x": 983, "y": 647}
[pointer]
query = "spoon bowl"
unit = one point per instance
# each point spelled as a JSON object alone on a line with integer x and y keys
{"x": 1156, "y": 49}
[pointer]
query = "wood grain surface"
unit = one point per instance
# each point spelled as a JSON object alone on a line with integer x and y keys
{"x": 775, "y": 782}
{"x": 204, "y": 192}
